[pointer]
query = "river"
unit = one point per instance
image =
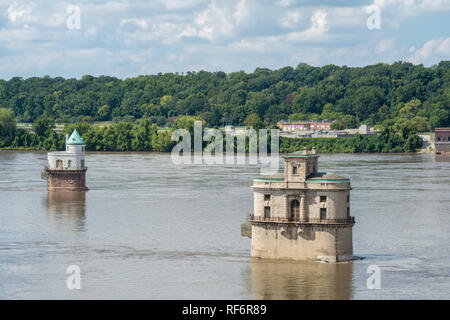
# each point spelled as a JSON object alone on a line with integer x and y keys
{"x": 150, "y": 229}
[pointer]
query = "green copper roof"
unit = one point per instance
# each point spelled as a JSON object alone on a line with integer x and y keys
{"x": 75, "y": 139}
{"x": 326, "y": 177}
{"x": 300, "y": 154}
{"x": 274, "y": 177}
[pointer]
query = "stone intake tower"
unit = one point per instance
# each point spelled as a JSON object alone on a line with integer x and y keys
{"x": 66, "y": 171}
{"x": 302, "y": 214}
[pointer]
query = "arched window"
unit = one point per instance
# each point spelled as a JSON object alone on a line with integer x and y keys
{"x": 59, "y": 164}
{"x": 69, "y": 163}
{"x": 295, "y": 209}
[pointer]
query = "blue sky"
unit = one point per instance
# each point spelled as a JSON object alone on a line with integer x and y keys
{"x": 132, "y": 37}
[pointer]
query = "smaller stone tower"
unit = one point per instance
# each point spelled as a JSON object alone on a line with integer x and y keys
{"x": 66, "y": 171}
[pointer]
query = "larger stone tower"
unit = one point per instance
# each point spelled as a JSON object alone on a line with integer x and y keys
{"x": 66, "y": 171}
{"x": 302, "y": 214}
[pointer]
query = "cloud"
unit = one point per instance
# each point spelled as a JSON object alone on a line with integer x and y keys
{"x": 413, "y": 7}
{"x": 241, "y": 12}
{"x": 212, "y": 23}
{"x": 18, "y": 10}
{"x": 316, "y": 32}
{"x": 291, "y": 20}
{"x": 385, "y": 45}
{"x": 394, "y": 13}
{"x": 128, "y": 37}
{"x": 181, "y": 4}
{"x": 432, "y": 52}
{"x": 284, "y": 3}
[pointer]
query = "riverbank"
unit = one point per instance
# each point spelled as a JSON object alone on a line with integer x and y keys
{"x": 357, "y": 144}
{"x": 147, "y": 136}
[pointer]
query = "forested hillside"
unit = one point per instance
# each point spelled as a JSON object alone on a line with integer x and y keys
{"x": 371, "y": 94}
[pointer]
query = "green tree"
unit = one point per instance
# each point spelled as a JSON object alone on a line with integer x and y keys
{"x": 104, "y": 112}
{"x": 43, "y": 125}
{"x": 7, "y": 122}
{"x": 7, "y": 127}
{"x": 254, "y": 121}
{"x": 187, "y": 122}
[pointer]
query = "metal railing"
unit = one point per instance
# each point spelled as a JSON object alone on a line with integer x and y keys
{"x": 46, "y": 168}
{"x": 252, "y": 218}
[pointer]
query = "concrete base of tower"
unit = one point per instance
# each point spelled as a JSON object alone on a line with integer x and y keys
{"x": 313, "y": 242}
{"x": 66, "y": 180}
{"x": 332, "y": 259}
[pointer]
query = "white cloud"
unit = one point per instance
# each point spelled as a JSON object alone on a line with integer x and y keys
{"x": 291, "y": 20}
{"x": 142, "y": 23}
{"x": 18, "y": 10}
{"x": 284, "y": 3}
{"x": 432, "y": 52}
{"x": 385, "y": 45}
{"x": 346, "y": 16}
{"x": 181, "y": 4}
{"x": 241, "y": 12}
{"x": 211, "y": 24}
{"x": 319, "y": 20}
{"x": 413, "y": 7}
{"x": 395, "y": 12}
{"x": 317, "y": 31}
{"x": 126, "y": 37}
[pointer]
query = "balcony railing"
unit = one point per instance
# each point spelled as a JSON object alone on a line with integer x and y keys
{"x": 46, "y": 168}
{"x": 252, "y": 218}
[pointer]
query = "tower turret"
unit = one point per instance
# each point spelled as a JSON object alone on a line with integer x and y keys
{"x": 298, "y": 166}
{"x": 75, "y": 145}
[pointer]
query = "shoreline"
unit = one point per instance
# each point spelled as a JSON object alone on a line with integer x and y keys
{"x": 418, "y": 152}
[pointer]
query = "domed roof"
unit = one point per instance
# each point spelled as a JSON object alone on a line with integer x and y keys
{"x": 75, "y": 139}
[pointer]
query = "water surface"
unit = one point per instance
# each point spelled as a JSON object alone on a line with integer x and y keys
{"x": 151, "y": 229}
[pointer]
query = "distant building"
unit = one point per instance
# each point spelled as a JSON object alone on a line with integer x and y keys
{"x": 302, "y": 214}
{"x": 294, "y": 126}
{"x": 66, "y": 171}
{"x": 234, "y": 130}
{"x": 364, "y": 129}
{"x": 442, "y": 140}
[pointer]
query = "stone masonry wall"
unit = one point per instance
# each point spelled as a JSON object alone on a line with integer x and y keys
{"x": 67, "y": 181}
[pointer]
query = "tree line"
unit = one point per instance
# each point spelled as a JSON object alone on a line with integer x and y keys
{"x": 379, "y": 95}
{"x": 400, "y": 99}
{"x": 144, "y": 135}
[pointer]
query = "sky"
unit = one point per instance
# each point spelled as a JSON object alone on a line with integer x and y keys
{"x": 127, "y": 38}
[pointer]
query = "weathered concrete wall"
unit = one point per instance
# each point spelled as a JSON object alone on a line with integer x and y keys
{"x": 246, "y": 229}
{"x": 336, "y": 204}
{"x": 280, "y": 202}
{"x": 443, "y": 147}
{"x": 307, "y": 242}
{"x": 77, "y": 161}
